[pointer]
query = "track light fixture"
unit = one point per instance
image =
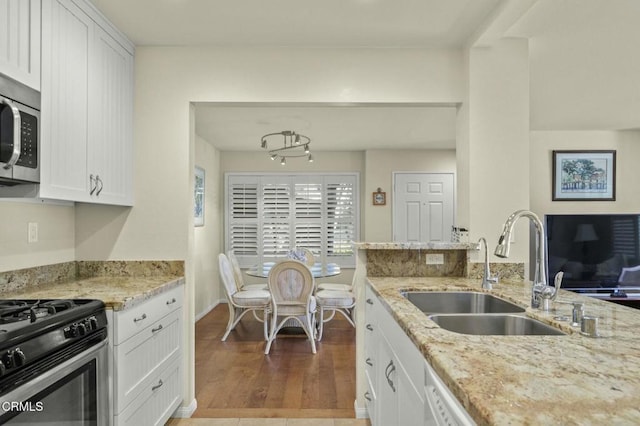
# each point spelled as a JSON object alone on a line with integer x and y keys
{"x": 293, "y": 145}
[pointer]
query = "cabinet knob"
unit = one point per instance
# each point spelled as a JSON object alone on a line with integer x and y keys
{"x": 368, "y": 362}
{"x": 367, "y": 396}
{"x": 370, "y": 302}
{"x": 172, "y": 301}
{"x": 369, "y": 327}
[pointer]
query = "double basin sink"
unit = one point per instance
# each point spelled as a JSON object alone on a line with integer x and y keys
{"x": 477, "y": 313}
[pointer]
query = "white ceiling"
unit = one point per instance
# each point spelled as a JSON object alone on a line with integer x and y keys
{"x": 584, "y": 59}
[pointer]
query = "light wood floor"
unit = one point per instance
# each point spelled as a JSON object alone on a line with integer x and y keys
{"x": 236, "y": 384}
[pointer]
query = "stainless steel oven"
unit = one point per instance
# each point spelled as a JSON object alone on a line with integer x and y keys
{"x": 19, "y": 133}
{"x": 56, "y": 371}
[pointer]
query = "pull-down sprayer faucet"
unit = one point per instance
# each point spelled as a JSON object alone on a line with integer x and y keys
{"x": 504, "y": 244}
{"x": 487, "y": 279}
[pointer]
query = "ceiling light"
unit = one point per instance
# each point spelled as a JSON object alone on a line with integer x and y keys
{"x": 293, "y": 145}
{"x": 310, "y": 158}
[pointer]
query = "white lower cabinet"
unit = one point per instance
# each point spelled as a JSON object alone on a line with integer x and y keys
{"x": 147, "y": 360}
{"x": 399, "y": 379}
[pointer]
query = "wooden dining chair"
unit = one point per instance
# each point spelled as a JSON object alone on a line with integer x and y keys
{"x": 291, "y": 286}
{"x": 242, "y": 301}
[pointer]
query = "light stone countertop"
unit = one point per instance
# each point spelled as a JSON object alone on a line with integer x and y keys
{"x": 415, "y": 246}
{"x": 118, "y": 293}
{"x": 536, "y": 380}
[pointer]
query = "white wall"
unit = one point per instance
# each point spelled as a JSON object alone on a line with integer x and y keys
{"x": 627, "y": 146}
{"x": 380, "y": 165}
{"x": 497, "y": 142}
{"x": 207, "y": 238}
{"x": 56, "y": 234}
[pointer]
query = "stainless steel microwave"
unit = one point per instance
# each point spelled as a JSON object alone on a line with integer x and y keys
{"x": 19, "y": 133}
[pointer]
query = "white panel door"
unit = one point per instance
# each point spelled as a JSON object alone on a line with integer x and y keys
{"x": 423, "y": 207}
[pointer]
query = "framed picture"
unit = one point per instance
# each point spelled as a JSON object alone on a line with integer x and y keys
{"x": 198, "y": 193}
{"x": 584, "y": 176}
{"x": 379, "y": 198}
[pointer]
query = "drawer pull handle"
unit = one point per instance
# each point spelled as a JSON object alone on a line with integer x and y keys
{"x": 369, "y": 327}
{"x": 387, "y": 372}
{"x": 143, "y": 317}
{"x": 158, "y": 328}
{"x": 367, "y": 396}
{"x": 369, "y": 301}
{"x": 172, "y": 301}
{"x": 369, "y": 363}
{"x": 157, "y": 386}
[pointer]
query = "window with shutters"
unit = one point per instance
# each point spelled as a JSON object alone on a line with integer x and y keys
{"x": 267, "y": 215}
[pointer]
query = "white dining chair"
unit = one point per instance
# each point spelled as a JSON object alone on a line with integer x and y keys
{"x": 332, "y": 301}
{"x": 338, "y": 286}
{"x": 242, "y": 301}
{"x": 237, "y": 272}
{"x": 291, "y": 286}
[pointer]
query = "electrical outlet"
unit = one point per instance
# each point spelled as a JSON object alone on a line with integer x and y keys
{"x": 435, "y": 259}
{"x": 33, "y": 232}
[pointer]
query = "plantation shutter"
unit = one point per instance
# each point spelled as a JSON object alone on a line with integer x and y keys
{"x": 276, "y": 218}
{"x": 340, "y": 217}
{"x": 268, "y": 215}
{"x": 308, "y": 214}
{"x": 243, "y": 219}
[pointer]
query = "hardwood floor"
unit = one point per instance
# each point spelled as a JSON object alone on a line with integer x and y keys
{"x": 234, "y": 379}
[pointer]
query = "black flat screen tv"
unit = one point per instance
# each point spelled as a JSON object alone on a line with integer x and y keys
{"x": 592, "y": 249}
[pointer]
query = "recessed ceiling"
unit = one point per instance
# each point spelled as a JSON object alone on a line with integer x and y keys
{"x": 330, "y": 127}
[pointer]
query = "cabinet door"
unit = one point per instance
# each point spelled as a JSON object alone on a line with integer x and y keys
{"x": 20, "y": 41}
{"x": 386, "y": 397}
{"x": 110, "y": 120}
{"x": 66, "y": 35}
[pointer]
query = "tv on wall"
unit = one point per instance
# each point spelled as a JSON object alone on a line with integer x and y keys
{"x": 593, "y": 249}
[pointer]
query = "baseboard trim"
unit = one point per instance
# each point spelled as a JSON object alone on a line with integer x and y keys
{"x": 183, "y": 412}
{"x": 208, "y": 309}
{"x": 361, "y": 412}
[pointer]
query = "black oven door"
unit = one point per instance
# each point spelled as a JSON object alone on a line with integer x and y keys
{"x": 75, "y": 392}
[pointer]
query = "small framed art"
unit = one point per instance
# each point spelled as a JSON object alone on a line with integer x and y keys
{"x": 198, "y": 210}
{"x": 584, "y": 176}
{"x": 379, "y": 198}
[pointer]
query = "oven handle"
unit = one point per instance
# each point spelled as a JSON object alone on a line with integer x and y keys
{"x": 17, "y": 133}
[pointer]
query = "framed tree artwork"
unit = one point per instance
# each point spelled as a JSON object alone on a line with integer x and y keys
{"x": 584, "y": 176}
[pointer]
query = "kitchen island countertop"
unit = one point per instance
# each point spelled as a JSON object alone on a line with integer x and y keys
{"x": 572, "y": 379}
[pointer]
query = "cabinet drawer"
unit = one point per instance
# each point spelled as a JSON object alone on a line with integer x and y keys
{"x": 136, "y": 319}
{"x": 140, "y": 358}
{"x": 157, "y": 401}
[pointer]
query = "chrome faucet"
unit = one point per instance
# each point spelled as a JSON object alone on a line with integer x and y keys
{"x": 487, "y": 279}
{"x": 504, "y": 244}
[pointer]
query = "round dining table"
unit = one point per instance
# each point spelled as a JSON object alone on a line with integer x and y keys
{"x": 319, "y": 270}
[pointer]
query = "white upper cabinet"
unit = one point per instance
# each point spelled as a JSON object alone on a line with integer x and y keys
{"x": 87, "y": 99}
{"x": 20, "y": 41}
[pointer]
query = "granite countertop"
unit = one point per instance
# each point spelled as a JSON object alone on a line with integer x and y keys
{"x": 118, "y": 293}
{"x": 572, "y": 379}
{"x": 415, "y": 246}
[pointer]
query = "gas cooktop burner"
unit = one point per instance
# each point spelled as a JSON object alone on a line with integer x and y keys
{"x": 19, "y": 310}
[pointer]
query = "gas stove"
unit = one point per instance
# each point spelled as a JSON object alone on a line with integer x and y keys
{"x": 33, "y": 330}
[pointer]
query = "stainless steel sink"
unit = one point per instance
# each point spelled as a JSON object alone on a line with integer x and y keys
{"x": 467, "y": 302}
{"x": 501, "y": 325}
